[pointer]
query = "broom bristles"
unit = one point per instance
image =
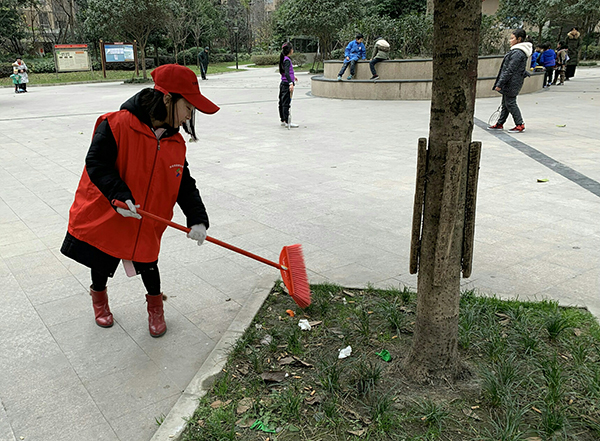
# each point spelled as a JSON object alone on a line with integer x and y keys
{"x": 295, "y": 277}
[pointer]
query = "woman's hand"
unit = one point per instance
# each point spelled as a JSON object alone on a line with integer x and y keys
{"x": 197, "y": 233}
{"x": 291, "y": 87}
{"x": 497, "y": 89}
{"x": 131, "y": 212}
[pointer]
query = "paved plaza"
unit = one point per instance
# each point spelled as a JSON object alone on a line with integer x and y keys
{"x": 342, "y": 185}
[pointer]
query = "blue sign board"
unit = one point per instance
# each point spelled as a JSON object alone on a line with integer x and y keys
{"x": 118, "y": 53}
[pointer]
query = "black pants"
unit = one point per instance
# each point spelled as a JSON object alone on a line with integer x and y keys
{"x": 571, "y": 70}
{"x": 372, "y": 64}
{"x": 509, "y": 105}
{"x": 285, "y": 100}
{"x": 203, "y": 70}
{"x": 150, "y": 278}
{"x": 345, "y": 66}
{"x": 548, "y": 75}
{"x": 23, "y": 87}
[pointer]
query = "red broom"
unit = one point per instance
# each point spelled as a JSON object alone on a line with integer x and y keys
{"x": 291, "y": 260}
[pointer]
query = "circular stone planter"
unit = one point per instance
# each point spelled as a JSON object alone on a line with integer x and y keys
{"x": 405, "y": 80}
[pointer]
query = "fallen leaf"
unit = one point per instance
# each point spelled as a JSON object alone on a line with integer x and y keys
{"x": 266, "y": 340}
{"x": 303, "y": 363}
{"x": 317, "y": 323}
{"x": 217, "y": 404}
{"x": 200, "y": 423}
{"x": 243, "y": 370}
{"x": 535, "y": 409}
{"x": 348, "y": 293}
{"x": 577, "y": 332}
{"x": 313, "y": 400}
{"x": 471, "y": 414}
{"x": 285, "y": 361}
{"x": 360, "y": 432}
{"x": 273, "y": 376}
{"x": 244, "y": 405}
{"x": 474, "y": 407}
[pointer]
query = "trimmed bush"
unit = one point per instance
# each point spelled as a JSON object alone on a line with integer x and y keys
{"x": 591, "y": 52}
{"x": 6, "y": 70}
{"x": 265, "y": 60}
{"x": 298, "y": 59}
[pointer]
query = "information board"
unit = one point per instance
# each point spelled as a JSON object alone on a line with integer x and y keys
{"x": 71, "y": 57}
{"x": 114, "y": 53}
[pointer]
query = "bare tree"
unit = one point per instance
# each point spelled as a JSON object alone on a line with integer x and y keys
{"x": 441, "y": 195}
{"x": 177, "y": 25}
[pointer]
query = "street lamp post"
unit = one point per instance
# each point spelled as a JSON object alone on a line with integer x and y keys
{"x": 235, "y": 31}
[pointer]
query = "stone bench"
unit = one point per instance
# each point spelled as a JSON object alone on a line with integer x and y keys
{"x": 404, "y": 80}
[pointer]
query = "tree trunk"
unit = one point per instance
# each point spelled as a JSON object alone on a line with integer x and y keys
{"x": 430, "y": 7}
{"x": 143, "y": 53}
{"x": 434, "y": 354}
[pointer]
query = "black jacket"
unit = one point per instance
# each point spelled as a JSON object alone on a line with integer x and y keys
{"x": 512, "y": 73}
{"x": 203, "y": 57}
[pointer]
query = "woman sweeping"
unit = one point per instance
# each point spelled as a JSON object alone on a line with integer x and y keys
{"x": 138, "y": 157}
{"x": 510, "y": 80}
{"x": 286, "y": 87}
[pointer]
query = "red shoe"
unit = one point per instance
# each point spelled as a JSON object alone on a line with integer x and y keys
{"x": 518, "y": 128}
{"x": 496, "y": 127}
{"x": 104, "y": 317}
{"x": 156, "y": 315}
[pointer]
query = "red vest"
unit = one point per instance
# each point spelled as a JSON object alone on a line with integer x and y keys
{"x": 152, "y": 170}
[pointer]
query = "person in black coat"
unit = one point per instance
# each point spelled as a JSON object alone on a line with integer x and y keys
{"x": 510, "y": 79}
{"x": 203, "y": 57}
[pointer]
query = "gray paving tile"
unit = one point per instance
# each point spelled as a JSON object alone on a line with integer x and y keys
{"x": 130, "y": 389}
{"x": 141, "y": 424}
{"x": 96, "y": 352}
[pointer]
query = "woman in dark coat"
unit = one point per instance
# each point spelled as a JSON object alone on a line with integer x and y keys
{"x": 510, "y": 80}
{"x": 573, "y": 42}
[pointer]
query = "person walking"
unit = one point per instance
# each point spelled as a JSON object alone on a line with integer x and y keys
{"x": 22, "y": 70}
{"x": 203, "y": 57}
{"x": 573, "y": 41}
{"x": 510, "y": 79}
{"x": 355, "y": 50}
{"x": 380, "y": 52}
{"x": 286, "y": 87}
{"x": 138, "y": 157}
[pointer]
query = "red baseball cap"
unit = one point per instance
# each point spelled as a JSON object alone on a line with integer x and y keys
{"x": 173, "y": 78}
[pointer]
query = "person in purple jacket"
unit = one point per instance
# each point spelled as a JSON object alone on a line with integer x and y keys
{"x": 286, "y": 87}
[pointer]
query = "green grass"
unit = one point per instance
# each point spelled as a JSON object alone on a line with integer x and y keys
{"x": 535, "y": 365}
{"x": 111, "y": 75}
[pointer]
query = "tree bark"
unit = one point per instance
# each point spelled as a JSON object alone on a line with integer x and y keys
{"x": 434, "y": 354}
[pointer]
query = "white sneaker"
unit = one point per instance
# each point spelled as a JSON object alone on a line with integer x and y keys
{"x": 292, "y": 126}
{"x": 283, "y": 124}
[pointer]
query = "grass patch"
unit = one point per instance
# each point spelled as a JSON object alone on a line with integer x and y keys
{"x": 111, "y": 75}
{"x": 536, "y": 374}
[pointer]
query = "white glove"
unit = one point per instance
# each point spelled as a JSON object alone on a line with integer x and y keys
{"x": 198, "y": 233}
{"x": 132, "y": 212}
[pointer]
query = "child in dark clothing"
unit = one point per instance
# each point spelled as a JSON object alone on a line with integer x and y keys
{"x": 286, "y": 87}
{"x": 548, "y": 60}
{"x": 561, "y": 64}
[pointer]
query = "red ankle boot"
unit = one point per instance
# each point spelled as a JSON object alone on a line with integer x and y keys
{"x": 104, "y": 317}
{"x": 156, "y": 315}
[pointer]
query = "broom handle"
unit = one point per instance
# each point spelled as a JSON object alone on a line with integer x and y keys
{"x": 144, "y": 213}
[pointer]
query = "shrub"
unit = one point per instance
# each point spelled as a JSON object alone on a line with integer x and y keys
{"x": 42, "y": 66}
{"x": 337, "y": 54}
{"x": 298, "y": 59}
{"x": 591, "y": 52}
{"x": 265, "y": 60}
{"x": 6, "y": 70}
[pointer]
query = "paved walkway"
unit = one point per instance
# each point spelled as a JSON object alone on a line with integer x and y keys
{"x": 342, "y": 185}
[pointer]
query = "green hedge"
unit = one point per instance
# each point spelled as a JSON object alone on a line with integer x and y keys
{"x": 591, "y": 52}
{"x": 273, "y": 59}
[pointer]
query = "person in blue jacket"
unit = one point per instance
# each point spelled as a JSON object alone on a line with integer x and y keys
{"x": 354, "y": 51}
{"x": 548, "y": 60}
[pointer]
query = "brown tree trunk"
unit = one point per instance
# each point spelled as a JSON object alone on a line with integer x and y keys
{"x": 434, "y": 354}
